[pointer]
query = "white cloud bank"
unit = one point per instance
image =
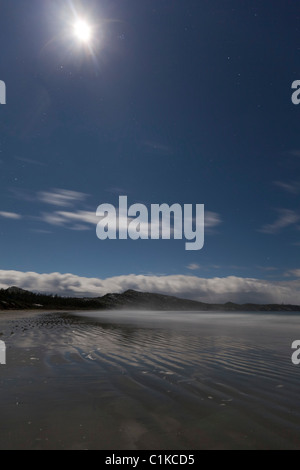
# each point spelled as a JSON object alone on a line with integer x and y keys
{"x": 235, "y": 289}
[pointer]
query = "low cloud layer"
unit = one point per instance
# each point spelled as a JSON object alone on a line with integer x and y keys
{"x": 234, "y": 289}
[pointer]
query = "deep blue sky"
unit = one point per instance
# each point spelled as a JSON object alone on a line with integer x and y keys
{"x": 183, "y": 101}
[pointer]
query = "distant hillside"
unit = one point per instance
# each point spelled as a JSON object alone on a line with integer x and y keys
{"x": 15, "y": 298}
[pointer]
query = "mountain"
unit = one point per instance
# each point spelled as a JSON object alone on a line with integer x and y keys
{"x": 15, "y": 298}
{"x": 145, "y": 300}
{"x": 16, "y": 290}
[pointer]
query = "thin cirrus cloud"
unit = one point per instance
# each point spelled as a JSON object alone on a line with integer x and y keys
{"x": 193, "y": 267}
{"x": 80, "y": 220}
{"x": 29, "y": 161}
{"x": 61, "y": 197}
{"x": 156, "y": 148}
{"x": 293, "y": 273}
{"x": 68, "y": 219}
{"x": 212, "y": 220}
{"x": 292, "y": 188}
{"x": 267, "y": 268}
{"x": 234, "y": 289}
{"x": 10, "y": 215}
{"x": 287, "y": 218}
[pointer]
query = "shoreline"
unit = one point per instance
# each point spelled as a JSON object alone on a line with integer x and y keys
{"x": 161, "y": 382}
{"x": 264, "y": 309}
{"x": 15, "y": 298}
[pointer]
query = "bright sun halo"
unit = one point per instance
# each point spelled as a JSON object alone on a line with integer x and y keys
{"x": 83, "y": 31}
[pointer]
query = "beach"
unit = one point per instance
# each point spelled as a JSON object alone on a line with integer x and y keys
{"x": 149, "y": 380}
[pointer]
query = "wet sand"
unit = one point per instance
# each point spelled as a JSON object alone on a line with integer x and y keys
{"x": 149, "y": 380}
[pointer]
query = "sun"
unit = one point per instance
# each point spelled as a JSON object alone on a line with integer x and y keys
{"x": 83, "y": 31}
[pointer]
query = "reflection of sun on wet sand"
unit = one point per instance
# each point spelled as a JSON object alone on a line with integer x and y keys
{"x": 148, "y": 380}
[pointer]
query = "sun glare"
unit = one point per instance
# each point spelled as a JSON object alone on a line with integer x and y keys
{"x": 83, "y": 31}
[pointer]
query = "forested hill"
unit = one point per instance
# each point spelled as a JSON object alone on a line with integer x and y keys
{"x": 15, "y": 298}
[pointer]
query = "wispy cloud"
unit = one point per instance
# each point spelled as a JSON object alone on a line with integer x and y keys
{"x": 292, "y": 188}
{"x": 29, "y": 161}
{"x": 286, "y": 219}
{"x": 40, "y": 231}
{"x": 156, "y": 148}
{"x": 61, "y": 197}
{"x": 212, "y": 220}
{"x": 235, "y": 289}
{"x": 80, "y": 220}
{"x": 293, "y": 273}
{"x": 10, "y": 215}
{"x": 193, "y": 267}
{"x": 77, "y": 220}
{"x": 267, "y": 268}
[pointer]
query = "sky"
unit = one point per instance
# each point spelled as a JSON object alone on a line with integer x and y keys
{"x": 170, "y": 101}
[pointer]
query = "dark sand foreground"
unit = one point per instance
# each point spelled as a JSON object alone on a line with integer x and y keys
{"x": 153, "y": 381}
